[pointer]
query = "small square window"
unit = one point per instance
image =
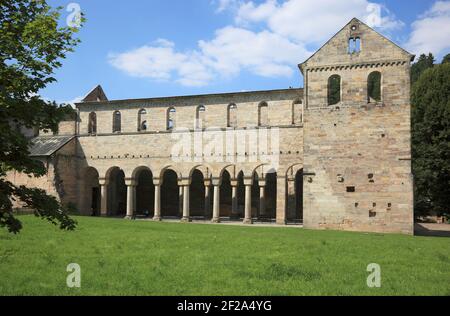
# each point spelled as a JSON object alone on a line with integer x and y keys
{"x": 351, "y": 189}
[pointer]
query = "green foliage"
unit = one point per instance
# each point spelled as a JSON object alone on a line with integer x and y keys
{"x": 446, "y": 59}
{"x": 446, "y": 217}
{"x": 334, "y": 90}
{"x": 72, "y": 209}
{"x": 431, "y": 140}
{"x": 374, "y": 86}
{"x": 32, "y": 46}
{"x": 423, "y": 63}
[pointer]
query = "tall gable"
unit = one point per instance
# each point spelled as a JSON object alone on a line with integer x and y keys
{"x": 96, "y": 95}
{"x": 373, "y": 48}
{"x": 356, "y": 58}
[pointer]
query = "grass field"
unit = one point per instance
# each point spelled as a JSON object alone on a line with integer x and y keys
{"x": 119, "y": 257}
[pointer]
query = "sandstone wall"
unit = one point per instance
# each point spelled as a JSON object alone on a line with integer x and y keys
{"x": 60, "y": 181}
{"x": 395, "y": 83}
{"x": 362, "y": 149}
{"x": 280, "y": 104}
{"x": 376, "y": 53}
{"x": 354, "y": 157}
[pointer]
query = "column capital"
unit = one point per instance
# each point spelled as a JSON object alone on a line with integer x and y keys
{"x": 248, "y": 181}
{"x": 207, "y": 182}
{"x": 262, "y": 183}
{"x": 157, "y": 181}
{"x": 234, "y": 183}
{"x": 184, "y": 182}
{"x": 216, "y": 181}
{"x": 130, "y": 182}
{"x": 103, "y": 181}
{"x": 290, "y": 178}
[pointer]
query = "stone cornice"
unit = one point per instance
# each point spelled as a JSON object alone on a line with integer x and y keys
{"x": 349, "y": 66}
{"x": 181, "y": 100}
{"x": 228, "y": 129}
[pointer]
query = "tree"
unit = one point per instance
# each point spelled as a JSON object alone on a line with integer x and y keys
{"x": 423, "y": 63}
{"x": 446, "y": 59}
{"x": 431, "y": 140}
{"x": 31, "y": 48}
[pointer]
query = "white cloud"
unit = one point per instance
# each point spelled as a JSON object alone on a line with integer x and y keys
{"x": 264, "y": 53}
{"x": 249, "y": 12}
{"x": 69, "y": 102}
{"x": 223, "y": 5}
{"x": 157, "y": 61}
{"x": 231, "y": 51}
{"x": 431, "y": 32}
{"x": 315, "y": 21}
{"x": 268, "y": 39}
{"x": 379, "y": 16}
{"x": 161, "y": 62}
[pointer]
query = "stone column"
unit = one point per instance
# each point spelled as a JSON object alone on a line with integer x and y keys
{"x": 186, "y": 216}
{"x": 281, "y": 200}
{"x": 262, "y": 198}
{"x": 248, "y": 201}
{"x": 131, "y": 194}
{"x": 135, "y": 199}
{"x": 234, "y": 199}
{"x": 216, "y": 206}
{"x": 303, "y": 112}
{"x": 207, "y": 198}
{"x": 180, "y": 199}
{"x": 104, "y": 197}
{"x": 157, "y": 212}
{"x": 291, "y": 197}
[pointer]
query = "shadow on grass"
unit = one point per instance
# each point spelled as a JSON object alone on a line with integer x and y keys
{"x": 430, "y": 230}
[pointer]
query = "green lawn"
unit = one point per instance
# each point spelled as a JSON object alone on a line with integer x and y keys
{"x": 119, "y": 257}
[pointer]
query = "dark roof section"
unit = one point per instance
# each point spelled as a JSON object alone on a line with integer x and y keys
{"x": 47, "y": 145}
{"x": 187, "y": 97}
{"x": 97, "y": 94}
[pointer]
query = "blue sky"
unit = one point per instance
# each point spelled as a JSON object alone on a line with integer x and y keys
{"x": 150, "y": 48}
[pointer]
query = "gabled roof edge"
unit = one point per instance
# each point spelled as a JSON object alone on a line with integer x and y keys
{"x": 351, "y": 21}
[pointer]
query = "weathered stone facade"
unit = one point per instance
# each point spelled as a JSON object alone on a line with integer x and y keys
{"x": 357, "y": 154}
{"x": 288, "y": 156}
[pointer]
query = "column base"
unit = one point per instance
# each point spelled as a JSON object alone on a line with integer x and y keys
{"x": 156, "y": 219}
{"x": 129, "y": 217}
{"x": 281, "y": 222}
{"x": 248, "y": 221}
{"x": 234, "y": 216}
{"x": 215, "y": 220}
{"x": 186, "y": 220}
